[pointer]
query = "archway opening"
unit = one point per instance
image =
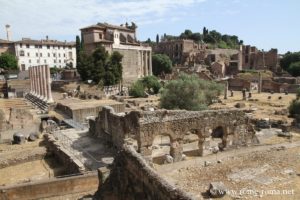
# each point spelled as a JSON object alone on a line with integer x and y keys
{"x": 161, "y": 146}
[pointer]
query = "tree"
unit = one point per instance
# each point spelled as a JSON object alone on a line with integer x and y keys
{"x": 294, "y": 108}
{"x": 294, "y": 68}
{"x": 151, "y": 84}
{"x": 78, "y": 47}
{"x": 8, "y": 61}
{"x": 100, "y": 66}
{"x": 189, "y": 92}
{"x": 288, "y": 59}
{"x": 157, "y": 39}
{"x": 161, "y": 63}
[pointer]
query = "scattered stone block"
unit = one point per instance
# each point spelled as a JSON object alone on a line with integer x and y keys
{"x": 217, "y": 189}
{"x": 240, "y": 105}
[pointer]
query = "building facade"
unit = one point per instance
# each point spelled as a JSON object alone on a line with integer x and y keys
{"x": 44, "y": 52}
{"x": 136, "y": 60}
{"x": 6, "y": 46}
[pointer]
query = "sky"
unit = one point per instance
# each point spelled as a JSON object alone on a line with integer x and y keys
{"x": 265, "y": 24}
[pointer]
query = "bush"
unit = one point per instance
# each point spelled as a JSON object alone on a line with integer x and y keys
{"x": 298, "y": 93}
{"x": 152, "y": 84}
{"x": 294, "y": 107}
{"x": 190, "y": 93}
{"x": 137, "y": 89}
{"x": 161, "y": 63}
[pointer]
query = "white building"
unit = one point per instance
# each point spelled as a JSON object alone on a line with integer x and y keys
{"x": 44, "y": 52}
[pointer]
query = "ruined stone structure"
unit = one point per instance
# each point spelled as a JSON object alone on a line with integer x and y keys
{"x": 6, "y": 46}
{"x": 182, "y": 51}
{"x": 136, "y": 60}
{"x": 252, "y": 58}
{"x": 40, "y": 83}
{"x": 230, "y": 127}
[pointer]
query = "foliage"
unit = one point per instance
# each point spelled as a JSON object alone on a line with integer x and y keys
{"x": 189, "y": 92}
{"x": 288, "y": 59}
{"x": 161, "y": 63}
{"x": 294, "y": 107}
{"x": 294, "y": 68}
{"x": 54, "y": 70}
{"x": 298, "y": 93}
{"x": 8, "y": 61}
{"x": 137, "y": 89}
{"x": 78, "y": 47}
{"x": 100, "y": 66}
{"x": 149, "y": 83}
{"x": 213, "y": 38}
{"x": 152, "y": 84}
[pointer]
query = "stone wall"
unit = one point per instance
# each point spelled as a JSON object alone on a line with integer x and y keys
{"x": 144, "y": 126}
{"x": 132, "y": 178}
{"x": 51, "y": 188}
{"x": 238, "y": 84}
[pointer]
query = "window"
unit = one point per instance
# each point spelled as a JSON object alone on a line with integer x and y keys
{"x": 70, "y": 47}
{"x": 70, "y": 55}
{"x": 64, "y": 55}
{"x": 40, "y": 46}
{"x": 28, "y": 54}
{"x": 21, "y": 45}
{"x": 63, "y": 47}
{"x": 41, "y": 54}
{"x": 100, "y": 36}
{"x": 58, "y": 47}
{"x": 45, "y": 61}
{"x": 22, "y": 53}
{"x": 54, "y": 55}
{"x": 48, "y": 46}
{"x": 59, "y": 61}
{"x": 54, "y": 61}
{"x": 37, "y": 54}
{"x": 48, "y": 54}
{"x": 27, "y": 46}
{"x": 23, "y": 67}
{"x": 65, "y": 61}
{"x": 29, "y": 61}
{"x": 59, "y": 55}
{"x": 38, "y": 60}
{"x": 36, "y": 46}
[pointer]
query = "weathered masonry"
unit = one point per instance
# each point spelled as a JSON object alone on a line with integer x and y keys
{"x": 221, "y": 128}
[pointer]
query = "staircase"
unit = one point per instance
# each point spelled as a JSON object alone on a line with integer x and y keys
{"x": 42, "y": 105}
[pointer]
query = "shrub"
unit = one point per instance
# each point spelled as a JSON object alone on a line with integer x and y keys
{"x": 137, "y": 89}
{"x": 294, "y": 107}
{"x": 152, "y": 84}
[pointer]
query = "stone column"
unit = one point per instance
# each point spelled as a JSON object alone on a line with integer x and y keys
{"x": 36, "y": 81}
{"x": 226, "y": 90}
{"x": 150, "y": 62}
{"x": 142, "y": 67}
{"x": 143, "y": 63}
{"x": 48, "y": 80}
{"x": 44, "y": 83}
{"x": 40, "y": 81}
{"x": 146, "y": 63}
{"x": 31, "y": 81}
{"x": 259, "y": 82}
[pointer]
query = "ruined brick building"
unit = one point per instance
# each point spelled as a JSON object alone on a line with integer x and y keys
{"x": 136, "y": 60}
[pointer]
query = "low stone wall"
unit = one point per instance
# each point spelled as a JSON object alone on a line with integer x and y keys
{"x": 16, "y": 158}
{"x": 51, "y": 188}
{"x": 132, "y": 178}
{"x": 63, "y": 155}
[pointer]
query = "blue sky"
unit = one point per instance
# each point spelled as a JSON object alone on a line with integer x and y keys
{"x": 262, "y": 23}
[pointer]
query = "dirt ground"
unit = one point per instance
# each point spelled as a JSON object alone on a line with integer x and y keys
{"x": 262, "y": 106}
{"x": 272, "y": 173}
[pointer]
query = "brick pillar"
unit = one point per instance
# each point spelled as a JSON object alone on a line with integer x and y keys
{"x": 48, "y": 80}
{"x": 259, "y": 82}
{"x": 176, "y": 151}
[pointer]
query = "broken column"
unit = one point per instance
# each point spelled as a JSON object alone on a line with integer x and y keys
{"x": 48, "y": 81}
{"x": 225, "y": 89}
{"x": 259, "y": 82}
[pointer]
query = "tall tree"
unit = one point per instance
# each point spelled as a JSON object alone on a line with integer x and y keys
{"x": 8, "y": 61}
{"x": 161, "y": 63}
{"x": 157, "y": 39}
{"x": 78, "y": 47}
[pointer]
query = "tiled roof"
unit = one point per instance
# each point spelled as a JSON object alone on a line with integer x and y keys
{"x": 45, "y": 42}
{"x": 106, "y": 25}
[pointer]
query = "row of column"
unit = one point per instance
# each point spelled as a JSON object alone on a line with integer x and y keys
{"x": 146, "y": 63}
{"x": 40, "y": 82}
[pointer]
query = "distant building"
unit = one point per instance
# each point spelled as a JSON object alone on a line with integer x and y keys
{"x": 44, "y": 52}
{"x": 136, "y": 60}
{"x": 182, "y": 51}
{"x": 252, "y": 58}
{"x": 6, "y": 47}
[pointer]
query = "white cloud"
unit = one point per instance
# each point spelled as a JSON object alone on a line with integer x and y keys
{"x": 38, "y": 18}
